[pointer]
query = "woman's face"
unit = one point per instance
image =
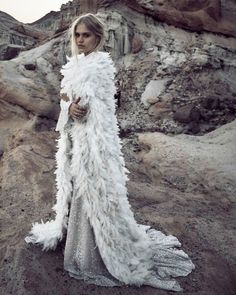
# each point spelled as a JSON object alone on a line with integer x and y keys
{"x": 85, "y": 39}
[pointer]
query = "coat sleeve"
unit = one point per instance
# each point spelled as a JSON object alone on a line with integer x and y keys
{"x": 64, "y": 115}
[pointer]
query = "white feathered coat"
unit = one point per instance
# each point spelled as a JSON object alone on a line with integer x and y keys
{"x": 132, "y": 253}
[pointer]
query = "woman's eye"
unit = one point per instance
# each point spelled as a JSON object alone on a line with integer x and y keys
{"x": 85, "y": 35}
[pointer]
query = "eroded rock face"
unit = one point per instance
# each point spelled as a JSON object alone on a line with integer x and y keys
{"x": 201, "y": 15}
{"x": 198, "y": 69}
{"x": 29, "y": 89}
{"x": 15, "y": 36}
{"x": 50, "y": 22}
{"x": 209, "y": 15}
{"x": 214, "y": 16}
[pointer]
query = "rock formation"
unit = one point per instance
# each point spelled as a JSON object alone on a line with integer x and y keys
{"x": 173, "y": 81}
{"x": 209, "y": 15}
{"x": 49, "y": 22}
{"x": 16, "y": 36}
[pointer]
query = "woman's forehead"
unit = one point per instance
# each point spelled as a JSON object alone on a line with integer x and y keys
{"x": 82, "y": 28}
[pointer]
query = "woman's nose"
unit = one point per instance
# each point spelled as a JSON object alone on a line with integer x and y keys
{"x": 81, "y": 39}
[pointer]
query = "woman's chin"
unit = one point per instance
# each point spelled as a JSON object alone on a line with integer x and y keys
{"x": 81, "y": 50}
{"x": 85, "y": 52}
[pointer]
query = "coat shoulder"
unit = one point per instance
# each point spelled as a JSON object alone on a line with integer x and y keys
{"x": 99, "y": 64}
{"x": 103, "y": 58}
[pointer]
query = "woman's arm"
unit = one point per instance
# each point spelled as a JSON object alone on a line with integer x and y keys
{"x": 64, "y": 115}
{"x": 69, "y": 109}
{"x": 76, "y": 111}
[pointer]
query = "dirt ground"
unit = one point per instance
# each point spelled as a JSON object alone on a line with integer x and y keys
{"x": 203, "y": 220}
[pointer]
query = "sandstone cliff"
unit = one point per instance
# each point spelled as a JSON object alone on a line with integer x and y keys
{"x": 16, "y": 36}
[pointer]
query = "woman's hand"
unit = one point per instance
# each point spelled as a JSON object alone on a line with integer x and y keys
{"x": 76, "y": 111}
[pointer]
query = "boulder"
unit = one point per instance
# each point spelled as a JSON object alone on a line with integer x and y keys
{"x": 136, "y": 44}
{"x": 152, "y": 91}
{"x": 188, "y": 113}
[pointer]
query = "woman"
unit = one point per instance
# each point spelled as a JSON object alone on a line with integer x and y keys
{"x": 104, "y": 243}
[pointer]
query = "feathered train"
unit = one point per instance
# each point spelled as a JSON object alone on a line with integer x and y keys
{"x": 134, "y": 254}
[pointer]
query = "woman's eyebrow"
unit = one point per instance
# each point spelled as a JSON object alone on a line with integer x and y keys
{"x": 86, "y": 32}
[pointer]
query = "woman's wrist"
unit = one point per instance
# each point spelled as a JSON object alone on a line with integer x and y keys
{"x": 69, "y": 109}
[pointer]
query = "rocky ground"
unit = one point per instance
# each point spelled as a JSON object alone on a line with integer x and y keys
{"x": 181, "y": 184}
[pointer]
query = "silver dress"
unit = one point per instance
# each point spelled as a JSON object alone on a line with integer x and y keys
{"x": 82, "y": 258}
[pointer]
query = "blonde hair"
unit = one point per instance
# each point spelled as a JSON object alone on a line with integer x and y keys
{"x": 93, "y": 24}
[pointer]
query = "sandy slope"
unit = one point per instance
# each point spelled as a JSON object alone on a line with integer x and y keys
{"x": 174, "y": 193}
